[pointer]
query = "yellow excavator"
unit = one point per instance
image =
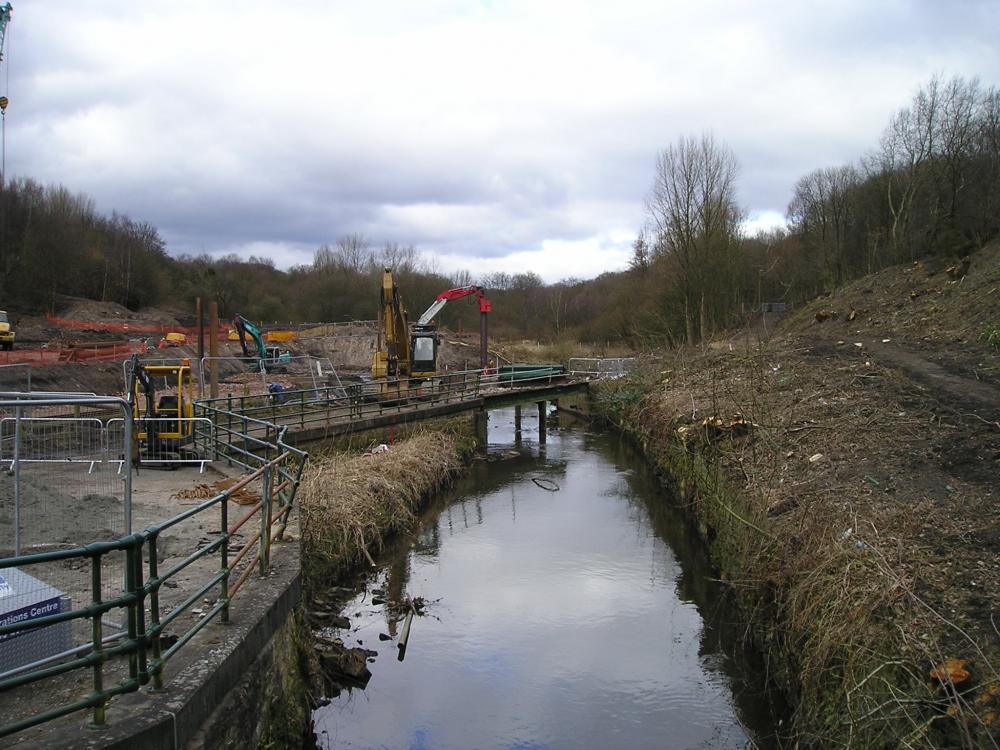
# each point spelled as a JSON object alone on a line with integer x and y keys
{"x": 6, "y": 332}
{"x": 393, "y": 355}
{"x": 165, "y": 428}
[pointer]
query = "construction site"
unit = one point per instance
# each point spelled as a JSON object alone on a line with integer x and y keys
{"x": 355, "y": 397}
{"x": 152, "y": 477}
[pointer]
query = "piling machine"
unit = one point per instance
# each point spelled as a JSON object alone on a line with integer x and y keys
{"x": 425, "y": 335}
{"x": 405, "y": 353}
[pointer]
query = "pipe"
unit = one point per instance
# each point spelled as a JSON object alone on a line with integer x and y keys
{"x": 405, "y": 636}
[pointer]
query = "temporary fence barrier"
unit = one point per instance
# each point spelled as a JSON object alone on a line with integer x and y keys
{"x": 60, "y": 606}
{"x": 61, "y": 489}
{"x": 77, "y": 353}
{"x": 193, "y": 446}
{"x": 224, "y": 327}
{"x": 608, "y": 367}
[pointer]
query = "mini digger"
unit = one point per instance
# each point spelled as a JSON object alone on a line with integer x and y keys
{"x": 164, "y": 426}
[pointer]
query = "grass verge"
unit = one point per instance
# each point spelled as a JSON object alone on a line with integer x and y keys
{"x": 350, "y": 504}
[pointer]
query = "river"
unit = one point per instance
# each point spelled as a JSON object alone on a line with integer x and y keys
{"x": 575, "y": 611}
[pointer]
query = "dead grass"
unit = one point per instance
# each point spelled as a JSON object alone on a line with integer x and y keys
{"x": 351, "y": 503}
{"x": 856, "y": 525}
{"x": 534, "y": 352}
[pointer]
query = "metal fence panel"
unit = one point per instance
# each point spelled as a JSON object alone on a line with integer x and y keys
{"x": 607, "y": 367}
{"x": 61, "y": 487}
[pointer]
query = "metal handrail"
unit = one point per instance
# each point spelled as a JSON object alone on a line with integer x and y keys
{"x": 141, "y": 643}
{"x": 253, "y": 437}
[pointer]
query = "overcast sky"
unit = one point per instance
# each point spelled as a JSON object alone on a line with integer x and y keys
{"x": 493, "y": 135}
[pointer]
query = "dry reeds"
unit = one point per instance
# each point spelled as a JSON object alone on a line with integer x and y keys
{"x": 861, "y": 570}
{"x": 351, "y": 504}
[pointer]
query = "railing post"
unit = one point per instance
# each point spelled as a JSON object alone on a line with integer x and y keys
{"x": 17, "y": 481}
{"x": 97, "y": 628}
{"x": 265, "y": 522}
{"x": 154, "y": 614}
{"x": 224, "y": 583}
{"x": 139, "y": 605}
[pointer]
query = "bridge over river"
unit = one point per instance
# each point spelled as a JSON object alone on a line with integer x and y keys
{"x": 302, "y": 416}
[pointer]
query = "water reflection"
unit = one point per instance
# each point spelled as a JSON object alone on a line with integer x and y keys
{"x": 586, "y": 617}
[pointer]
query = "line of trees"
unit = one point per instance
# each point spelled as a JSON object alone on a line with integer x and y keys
{"x": 930, "y": 185}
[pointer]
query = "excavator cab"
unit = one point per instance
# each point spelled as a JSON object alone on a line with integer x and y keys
{"x": 424, "y": 345}
{"x": 167, "y": 419}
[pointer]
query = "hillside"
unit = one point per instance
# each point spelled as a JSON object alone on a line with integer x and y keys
{"x": 854, "y": 508}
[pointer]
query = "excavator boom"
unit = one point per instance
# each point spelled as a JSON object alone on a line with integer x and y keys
{"x": 268, "y": 358}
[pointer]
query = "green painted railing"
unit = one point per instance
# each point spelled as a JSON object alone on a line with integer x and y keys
{"x": 279, "y": 468}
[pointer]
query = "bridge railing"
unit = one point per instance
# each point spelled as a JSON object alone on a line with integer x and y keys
{"x": 237, "y": 417}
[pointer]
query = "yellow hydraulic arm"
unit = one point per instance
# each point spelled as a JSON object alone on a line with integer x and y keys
{"x": 393, "y": 356}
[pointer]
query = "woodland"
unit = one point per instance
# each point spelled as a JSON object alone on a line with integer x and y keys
{"x": 929, "y": 186}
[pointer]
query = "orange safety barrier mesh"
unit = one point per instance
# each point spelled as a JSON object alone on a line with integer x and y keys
{"x": 79, "y": 353}
{"x": 96, "y": 325}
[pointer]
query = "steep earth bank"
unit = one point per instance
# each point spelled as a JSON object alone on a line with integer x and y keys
{"x": 844, "y": 470}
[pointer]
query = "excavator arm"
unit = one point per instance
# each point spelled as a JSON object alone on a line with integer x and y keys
{"x": 393, "y": 359}
{"x": 139, "y": 378}
{"x": 246, "y": 330}
{"x": 442, "y": 299}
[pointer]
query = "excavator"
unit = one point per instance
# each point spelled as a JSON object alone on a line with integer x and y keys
{"x": 404, "y": 354}
{"x": 168, "y": 427}
{"x": 392, "y": 361}
{"x": 425, "y": 336}
{"x": 269, "y": 358}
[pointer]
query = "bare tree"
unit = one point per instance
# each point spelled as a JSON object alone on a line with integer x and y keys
{"x": 353, "y": 252}
{"x": 693, "y": 211}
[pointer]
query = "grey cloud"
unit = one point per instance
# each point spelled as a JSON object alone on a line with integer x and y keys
{"x": 425, "y": 127}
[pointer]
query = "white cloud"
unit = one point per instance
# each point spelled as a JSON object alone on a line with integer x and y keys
{"x": 513, "y": 134}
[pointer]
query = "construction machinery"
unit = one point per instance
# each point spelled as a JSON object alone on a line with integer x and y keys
{"x": 425, "y": 335}
{"x": 165, "y": 423}
{"x": 6, "y": 332}
{"x": 402, "y": 353}
{"x": 5, "y": 12}
{"x": 393, "y": 354}
{"x": 268, "y": 358}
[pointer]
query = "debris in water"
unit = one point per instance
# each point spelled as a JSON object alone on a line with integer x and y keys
{"x": 405, "y": 636}
{"x": 384, "y": 637}
{"x": 546, "y": 484}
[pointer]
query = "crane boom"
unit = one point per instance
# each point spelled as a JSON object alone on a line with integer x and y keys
{"x": 5, "y": 10}
{"x": 452, "y": 294}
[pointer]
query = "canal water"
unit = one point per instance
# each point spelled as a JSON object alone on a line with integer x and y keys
{"x": 567, "y": 604}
